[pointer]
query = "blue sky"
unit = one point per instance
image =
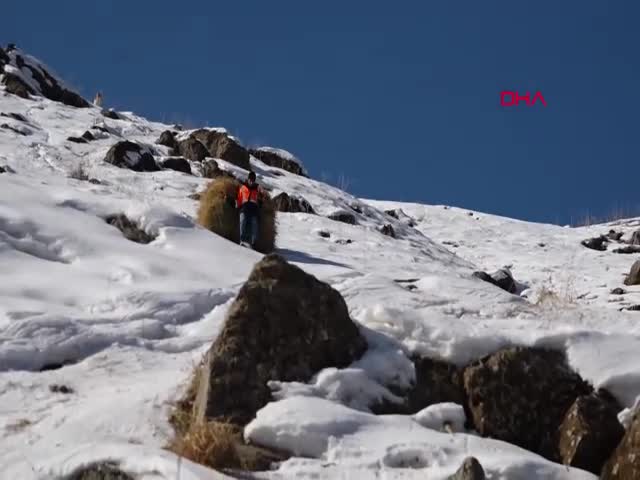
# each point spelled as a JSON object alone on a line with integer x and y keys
{"x": 402, "y": 99}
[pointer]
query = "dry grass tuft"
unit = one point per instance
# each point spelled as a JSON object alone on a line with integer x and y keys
{"x": 212, "y": 444}
{"x": 217, "y": 213}
{"x": 181, "y": 417}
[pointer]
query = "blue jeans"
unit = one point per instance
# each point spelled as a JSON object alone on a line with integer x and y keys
{"x": 248, "y": 228}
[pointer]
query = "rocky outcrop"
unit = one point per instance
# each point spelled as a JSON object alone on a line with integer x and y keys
{"x": 179, "y": 164}
{"x": 168, "y": 139}
{"x": 344, "y": 217}
{"x": 112, "y": 114}
{"x": 25, "y": 76}
{"x": 220, "y": 145}
{"x": 284, "y": 325}
{"x": 286, "y": 203}
{"x": 500, "y": 278}
{"x": 278, "y": 158}
{"x": 635, "y": 238}
{"x": 590, "y": 432}
{"x": 210, "y": 169}
{"x": 436, "y": 382}
{"x": 130, "y": 230}
{"x": 388, "y": 230}
{"x": 596, "y": 243}
{"x": 634, "y": 275}
{"x": 192, "y": 149}
{"x": 469, "y": 470}
{"x": 628, "y": 249}
{"x": 133, "y": 156}
{"x": 624, "y": 464}
{"x": 521, "y": 395}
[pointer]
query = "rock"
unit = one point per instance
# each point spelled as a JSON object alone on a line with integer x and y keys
{"x": 192, "y": 149}
{"x": 356, "y": 208}
{"x": 278, "y": 158}
{"x": 589, "y": 433}
{"x": 19, "y": 129}
{"x": 99, "y": 471}
{"x": 392, "y": 213}
{"x": 131, "y": 155}
{"x": 618, "y": 291}
{"x": 2, "y": 169}
{"x": 501, "y": 278}
{"x": 284, "y": 325}
{"x": 195, "y": 196}
{"x": 286, "y": 203}
{"x": 77, "y": 140}
{"x": 635, "y": 238}
{"x": 632, "y": 308}
{"x": 41, "y": 81}
{"x": 4, "y": 59}
{"x": 634, "y": 275}
{"x": 343, "y": 241}
{"x": 469, "y": 470}
{"x": 129, "y": 229}
{"x": 15, "y": 116}
{"x": 388, "y": 231}
{"x": 55, "y": 388}
{"x": 210, "y": 169}
{"x": 324, "y": 234}
{"x": 112, "y": 114}
{"x": 629, "y": 249}
{"x": 615, "y": 236}
{"x": 596, "y": 243}
{"x": 521, "y": 395}
{"x": 343, "y": 217}
{"x": 88, "y": 136}
{"x": 436, "y": 382}
{"x": 220, "y": 145}
{"x": 179, "y": 164}
{"x": 624, "y": 464}
{"x": 168, "y": 139}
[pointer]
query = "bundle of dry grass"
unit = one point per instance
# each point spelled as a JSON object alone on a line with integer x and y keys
{"x": 212, "y": 444}
{"x": 217, "y": 213}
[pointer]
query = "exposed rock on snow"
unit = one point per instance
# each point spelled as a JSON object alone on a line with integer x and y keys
{"x": 99, "y": 471}
{"x": 615, "y": 236}
{"x": 625, "y": 461}
{"x": 209, "y": 168}
{"x": 276, "y": 157}
{"x": 178, "y": 164}
{"x": 168, "y": 139}
{"x": 629, "y": 249}
{"x": 112, "y": 114}
{"x": 344, "y": 217}
{"x": 284, "y": 325}
{"x": 24, "y": 76}
{"x": 133, "y": 156}
{"x": 14, "y": 116}
{"x": 130, "y": 230}
{"x": 286, "y": 203}
{"x": 436, "y": 382}
{"x": 634, "y": 275}
{"x": 596, "y": 243}
{"x": 388, "y": 230}
{"x": 192, "y": 149}
{"x": 469, "y": 470}
{"x": 635, "y": 238}
{"x": 501, "y": 278}
{"x": 590, "y": 432}
{"x": 520, "y": 395}
{"x": 220, "y": 145}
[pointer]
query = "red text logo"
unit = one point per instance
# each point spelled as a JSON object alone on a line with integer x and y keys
{"x": 512, "y": 99}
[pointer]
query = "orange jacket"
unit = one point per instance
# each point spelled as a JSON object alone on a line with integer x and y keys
{"x": 246, "y": 194}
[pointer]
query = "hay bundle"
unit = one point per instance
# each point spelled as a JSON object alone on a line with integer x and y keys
{"x": 217, "y": 213}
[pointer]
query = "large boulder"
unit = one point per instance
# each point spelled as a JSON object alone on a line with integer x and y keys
{"x": 635, "y": 238}
{"x": 436, "y": 382}
{"x": 209, "y": 168}
{"x": 284, "y": 325}
{"x": 279, "y": 158}
{"x": 179, "y": 164}
{"x": 192, "y": 149}
{"x": 634, "y": 275}
{"x": 286, "y": 203}
{"x": 25, "y": 76}
{"x": 344, "y": 217}
{"x": 168, "y": 139}
{"x": 624, "y": 464}
{"x": 133, "y": 156}
{"x": 590, "y": 432}
{"x": 521, "y": 395}
{"x": 220, "y": 144}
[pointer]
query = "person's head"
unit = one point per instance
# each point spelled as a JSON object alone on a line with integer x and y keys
{"x": 251, "y": 179}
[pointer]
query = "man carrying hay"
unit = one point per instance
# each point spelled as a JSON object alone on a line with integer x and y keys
{"x": 249, "y": 202}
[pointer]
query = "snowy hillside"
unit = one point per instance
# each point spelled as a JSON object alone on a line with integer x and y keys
{"x": 122, "y": 324}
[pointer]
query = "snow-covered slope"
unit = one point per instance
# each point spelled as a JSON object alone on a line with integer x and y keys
{"x": 130, "y": 320}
